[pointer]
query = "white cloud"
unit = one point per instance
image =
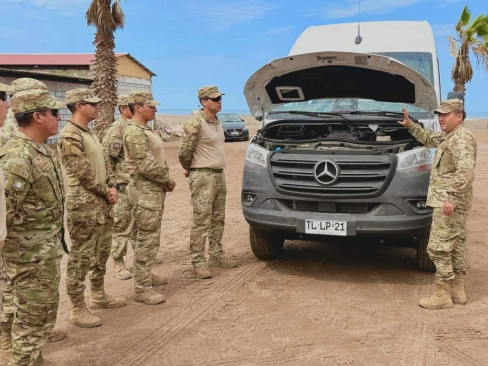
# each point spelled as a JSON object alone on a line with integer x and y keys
{"x": 349, "y": 8}
{"x": 220, "y": 16}
{"x": 64, "y": 7}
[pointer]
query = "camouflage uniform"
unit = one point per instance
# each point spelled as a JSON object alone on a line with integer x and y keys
{"x": 451, "y": 180}
{"x": 90, "y": 217}
{"x": 33, "y": 248}
{"x": 149, "y": 175}
{"x": 207, "y": 184}
{"x": 123, "y": 221}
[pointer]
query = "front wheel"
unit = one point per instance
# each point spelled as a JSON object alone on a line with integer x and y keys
{"x": 423, "y": 260}
{"x": 264, "y": 244}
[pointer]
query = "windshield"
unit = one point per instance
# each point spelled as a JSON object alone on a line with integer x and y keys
{"x": 419, "y": 61}
{"x": 229, "y": 118}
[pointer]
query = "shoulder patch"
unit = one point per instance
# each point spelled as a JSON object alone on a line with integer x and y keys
{"x": 189, "y": 128}
{"x": 18, "y": 185}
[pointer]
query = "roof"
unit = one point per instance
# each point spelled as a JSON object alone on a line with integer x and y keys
{"x": 57, "y": 59}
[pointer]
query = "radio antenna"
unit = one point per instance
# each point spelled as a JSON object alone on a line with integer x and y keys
{"x": 359, "y": 39}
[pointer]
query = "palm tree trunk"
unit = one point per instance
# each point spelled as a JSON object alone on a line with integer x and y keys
{"x": 105, "y": 81}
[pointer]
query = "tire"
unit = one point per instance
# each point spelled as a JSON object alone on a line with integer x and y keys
{"x": 423, "y": 260}
{"x": 265, "y": 245}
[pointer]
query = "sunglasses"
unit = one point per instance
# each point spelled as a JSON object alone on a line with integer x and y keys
{"x": 217, "y": 99}
{"x": 3, "y": 96}
{"x": 90, "y": 103}
{"x": 54, "y": 112}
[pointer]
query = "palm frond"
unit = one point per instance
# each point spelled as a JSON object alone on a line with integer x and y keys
{"x": 481, "y": 54}
{"x": 453, "y": 46}
{"x": 465, "y": 16}
{"x": 118, "y": 15}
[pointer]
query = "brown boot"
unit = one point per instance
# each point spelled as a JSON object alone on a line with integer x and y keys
{"x": 159, "y": 280}
{"x": 56, "y": 335}
{"x": 150, "y": 297}
{"x": 120, "y": 271}
{"x": 221, "y": 261}
{"x": 440, "y": 298}
{"x": 458, "y": 295}
{"x": 201, "y": 271}
{"x": 80, "y": 316}
{"x": 101, "y": 300}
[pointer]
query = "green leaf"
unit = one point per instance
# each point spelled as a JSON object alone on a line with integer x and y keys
{"x": 465, "y": 16}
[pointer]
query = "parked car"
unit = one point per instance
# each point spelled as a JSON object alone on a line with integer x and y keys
{"x": 329, "y": 158}
{"x": 234, "y": 127}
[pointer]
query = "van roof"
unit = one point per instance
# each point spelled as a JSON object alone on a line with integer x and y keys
{"x": 388, "y": 36}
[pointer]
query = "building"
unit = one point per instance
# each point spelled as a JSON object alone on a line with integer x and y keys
{"x": 62, "y": 72}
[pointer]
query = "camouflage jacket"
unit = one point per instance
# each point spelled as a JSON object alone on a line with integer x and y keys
{"x": 113, "y": 146}
{"x": 139, "y": 158}
{"x": 193, "y": 132}
{"x": 452, "y": 175}
{"x": 34, "y": 197}
{"x": 74, "y": 158}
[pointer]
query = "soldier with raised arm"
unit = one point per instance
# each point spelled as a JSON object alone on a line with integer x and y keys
{"x": 450, "y": 195}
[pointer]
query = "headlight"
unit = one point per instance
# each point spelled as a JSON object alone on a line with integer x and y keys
{"x": 420, "y": 159}
{"x": 244, "y": 129}
{"x": 256, "y": 154}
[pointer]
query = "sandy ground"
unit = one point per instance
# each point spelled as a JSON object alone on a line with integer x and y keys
{"x": 320, "y": 304}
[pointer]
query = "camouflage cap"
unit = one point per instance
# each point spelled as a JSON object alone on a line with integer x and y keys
{"x": 23, "y": 84}
{"x": 145, "y": 97}
{"x": 81, "y": 95}
{"x": 449, "y": 105}
{"x": 4, "y": 88}
{"x": 210, "y": 91}
{"x": 34, "y": 100}
{"x": 123, "y": 100}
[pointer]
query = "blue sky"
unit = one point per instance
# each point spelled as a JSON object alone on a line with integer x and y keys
{"x": 190, "y": 43}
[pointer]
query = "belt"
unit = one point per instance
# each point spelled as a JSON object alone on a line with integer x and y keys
{"x": 207, "y": 170}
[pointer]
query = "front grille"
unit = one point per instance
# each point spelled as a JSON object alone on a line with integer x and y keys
{"x": 329, "y": 207}
{"x": 234, "y": 132}
{"x": 360, "y": 174}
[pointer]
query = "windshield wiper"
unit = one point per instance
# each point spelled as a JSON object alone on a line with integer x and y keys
{"x": 381, "y": 113}
{"x": 312, "y": 114}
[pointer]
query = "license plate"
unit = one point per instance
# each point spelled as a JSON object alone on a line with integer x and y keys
{"x": 326, "y": 227}
{"x": 234, "y": 132}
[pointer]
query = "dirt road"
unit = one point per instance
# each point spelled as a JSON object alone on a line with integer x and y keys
{"x": 320, "y": 304}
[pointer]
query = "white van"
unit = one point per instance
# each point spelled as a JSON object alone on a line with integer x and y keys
{"x": 330, "y": 158}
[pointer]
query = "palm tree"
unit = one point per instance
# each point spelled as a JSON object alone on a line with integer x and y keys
{"x": 106, "y": 16}
{"x": 471, "y": 36}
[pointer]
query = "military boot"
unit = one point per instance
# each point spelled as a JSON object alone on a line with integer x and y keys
{"x": 5, "y": 342}
{"x": 120, "y": 271}
{"x": 158, "y": 280}
{"x": 458, "y": 295}
{"x": 221, "y": 261}
{"x": 150, "y": 297}
{"x": 80, "y": 316}
{"x": 56, "y": 335}
{"x": 201, "y": 271}
{"x": 101, "y": 300}
{"x": 440, "y": 298}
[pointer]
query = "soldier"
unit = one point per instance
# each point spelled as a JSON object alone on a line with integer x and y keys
{"x": 203, "y": 158}
{"x": 149, "y": 182}
{"x": 7, "y": 311}
{"x": 450, "y": 195}
{"x": 4, "y": 104}
{"x": 33, "y": 247}
{"x": 91, "y": 191}
{"x": 123, "y": 221}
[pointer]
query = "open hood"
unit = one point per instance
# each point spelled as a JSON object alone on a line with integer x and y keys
{"x": 336, "y": 75}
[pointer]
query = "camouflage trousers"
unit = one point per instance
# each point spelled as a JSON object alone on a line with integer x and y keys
{"x": 91, "y": 235}
{"x": 147, "y": 204}
{"x": 123, "y": 224}
{"x": 208, "y": 193}
{"x": 446, "y": 244}
{"x": 35, "y": 302}
{"x": 7, "y": 314}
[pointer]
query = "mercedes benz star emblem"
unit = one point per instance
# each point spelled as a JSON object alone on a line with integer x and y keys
{"x": 326, "y": 172}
